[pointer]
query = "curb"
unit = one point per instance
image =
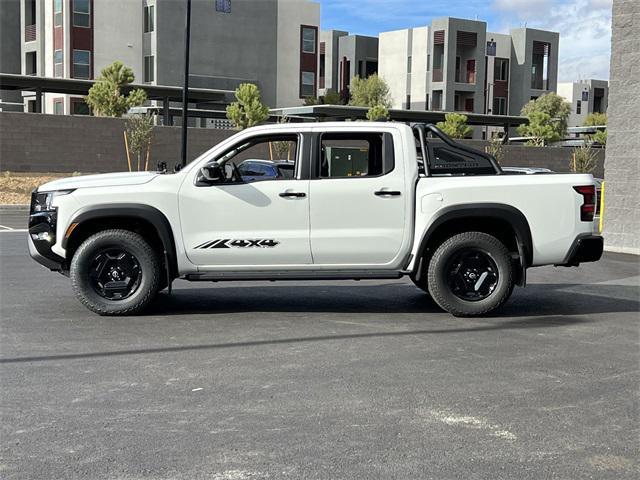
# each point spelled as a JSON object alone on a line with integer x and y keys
{"x": 14, "y": 208}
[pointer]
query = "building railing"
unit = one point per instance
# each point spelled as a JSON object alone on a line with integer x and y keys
{"x": 30, "y": 33}
{"x": 437, "y": 75}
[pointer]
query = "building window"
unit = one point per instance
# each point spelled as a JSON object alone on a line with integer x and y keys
{"x": 149, "y": 19}
{"x": 428, "y": 62}
{"x": 308, "y": 40}
{"x": 540, "y": 65}
{"x": 501, "y": 70}
{"x": 58, "y": 106}
{"x": 578, "y": 107}
{"x": 57, "y": 13}
{"x": 408, "y": 104}
{"x": 491, "y": 49}
{"x": 82, "y": 64}
{"x": 149, "y": 68}
{"x": 223, "y": 6}
{"x": 499, "y": 106}
{"x": 308, "y": 84}
{"x": 58, "y": 63}
{"x": 81, "y": 13}
{"x": 409, "y": 64}
{"x": 79, "y": 107}
{"x": 585, "y": 96}
{"x": 426, "y": 102}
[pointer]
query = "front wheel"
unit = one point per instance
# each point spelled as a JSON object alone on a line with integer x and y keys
{"x": 470, "y": 274}
{"x": 115, "y": 272}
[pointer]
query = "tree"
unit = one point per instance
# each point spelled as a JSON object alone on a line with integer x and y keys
{"x": 331, "y": 97}
{"x": 139, "y": 131}
{"x": 455, "y": 125}
{"x": 369, "y": 92}
{"x": 248, "y": 110}
{"x": 556, "y": 107}
{"x": 583, "y": 160}
{"x": 496, "y": 148}
{"x": 378, "y": 113}
{"x": 105, "y": 96}
{"x": 540, "y": 128}
{"x": 595, "y": 119}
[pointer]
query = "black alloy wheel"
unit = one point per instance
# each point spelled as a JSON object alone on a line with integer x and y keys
{"x": 115, "y": 274}
{"x": 472, "y": 274}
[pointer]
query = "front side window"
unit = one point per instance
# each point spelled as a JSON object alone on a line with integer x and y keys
{"x": 308, "y": 84}
{"x": 270, "y": 157}
{"x": 81, "y": 64}
{"x": 81, "y": 13}
{"x": 57, "y": 13}
{"x": 58, "y": 65}
{"x": 149, "y": 19}
{"x": 308, "y": 40}
{"x": 347, "y": 155}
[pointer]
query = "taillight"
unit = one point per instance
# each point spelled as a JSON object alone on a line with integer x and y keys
{"x": 588, "y": 207}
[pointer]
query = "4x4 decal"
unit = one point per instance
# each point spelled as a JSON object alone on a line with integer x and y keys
{"x": 240, "y": 243}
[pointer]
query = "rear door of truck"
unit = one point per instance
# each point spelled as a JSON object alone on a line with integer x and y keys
{"x": 358, "y": 197}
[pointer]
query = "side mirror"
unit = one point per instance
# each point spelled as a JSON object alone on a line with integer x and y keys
{"x": 211, "y": 173}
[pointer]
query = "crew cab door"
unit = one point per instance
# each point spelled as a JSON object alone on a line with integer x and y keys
{"x": 358, "y": 198}
{"x": 252, "y": 222}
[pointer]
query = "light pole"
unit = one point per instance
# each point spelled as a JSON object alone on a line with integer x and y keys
{"x": 185, "y": 87}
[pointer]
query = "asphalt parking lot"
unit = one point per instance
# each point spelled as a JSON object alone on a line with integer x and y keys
{"x": 342, "y": 380}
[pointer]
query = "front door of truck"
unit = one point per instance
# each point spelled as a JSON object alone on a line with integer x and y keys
{"x": 259, "y": 220}
{"x": 358, "y": 199}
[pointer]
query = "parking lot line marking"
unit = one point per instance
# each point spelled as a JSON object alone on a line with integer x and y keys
{"x": 13, "y": 230}
{"x": 6, "y": 228}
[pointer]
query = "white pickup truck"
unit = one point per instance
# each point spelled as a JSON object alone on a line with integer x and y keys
{"x": 363, "y": 200}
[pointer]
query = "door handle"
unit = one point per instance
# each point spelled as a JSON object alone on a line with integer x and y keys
{"x": 387, "y": 193}
{"x": 292, "y": 194}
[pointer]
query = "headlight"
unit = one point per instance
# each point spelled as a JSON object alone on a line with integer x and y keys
{"x": 43, "y": 201}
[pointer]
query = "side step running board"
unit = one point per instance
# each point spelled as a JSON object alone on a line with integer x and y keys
{"x": 295, "y": 275}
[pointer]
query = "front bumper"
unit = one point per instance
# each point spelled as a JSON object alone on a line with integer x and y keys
{"x": 42, "y": 236}
{"x": 585, "y": 248}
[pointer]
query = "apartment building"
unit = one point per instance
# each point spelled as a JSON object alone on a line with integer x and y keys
{"x": 456, "y": 65}
{"x": 585, "y": 97}
{"x": 343, "y": 57}
{"x": 10, "y": 51}
{"x": 273, "y": 43}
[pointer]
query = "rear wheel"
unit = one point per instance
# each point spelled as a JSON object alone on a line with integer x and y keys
{"x": 115, "y": 272}
{"x": 470, "y": 274}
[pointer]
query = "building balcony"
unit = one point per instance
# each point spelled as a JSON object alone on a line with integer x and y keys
{"x": 30, "y": 33}
{"x": 437, "y": 75}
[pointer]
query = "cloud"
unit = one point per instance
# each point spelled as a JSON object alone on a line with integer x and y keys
{"x": 584, "y": 27}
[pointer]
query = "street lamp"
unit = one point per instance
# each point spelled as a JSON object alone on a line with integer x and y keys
{"x": 185, "y": 87}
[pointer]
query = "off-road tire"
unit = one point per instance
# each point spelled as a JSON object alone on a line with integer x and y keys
{"x": 437, "y": 274}
{"x": 149, "y": 261}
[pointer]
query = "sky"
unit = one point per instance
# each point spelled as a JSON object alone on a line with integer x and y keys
{"x": 584, "y": 25}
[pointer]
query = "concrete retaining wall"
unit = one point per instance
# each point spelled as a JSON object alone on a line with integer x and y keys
{"x": 51, "y": 143}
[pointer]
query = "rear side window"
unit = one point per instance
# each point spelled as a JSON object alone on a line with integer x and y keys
{"x": 354, "y": 155}
{"x": 444, "y": 160}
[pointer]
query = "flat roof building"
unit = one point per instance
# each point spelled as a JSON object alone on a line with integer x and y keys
{"x": 343, "y": 57}
{"x": 273, "y": 43}
{"x": 456, "y": 65}
{"x": 585, "y": 97}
